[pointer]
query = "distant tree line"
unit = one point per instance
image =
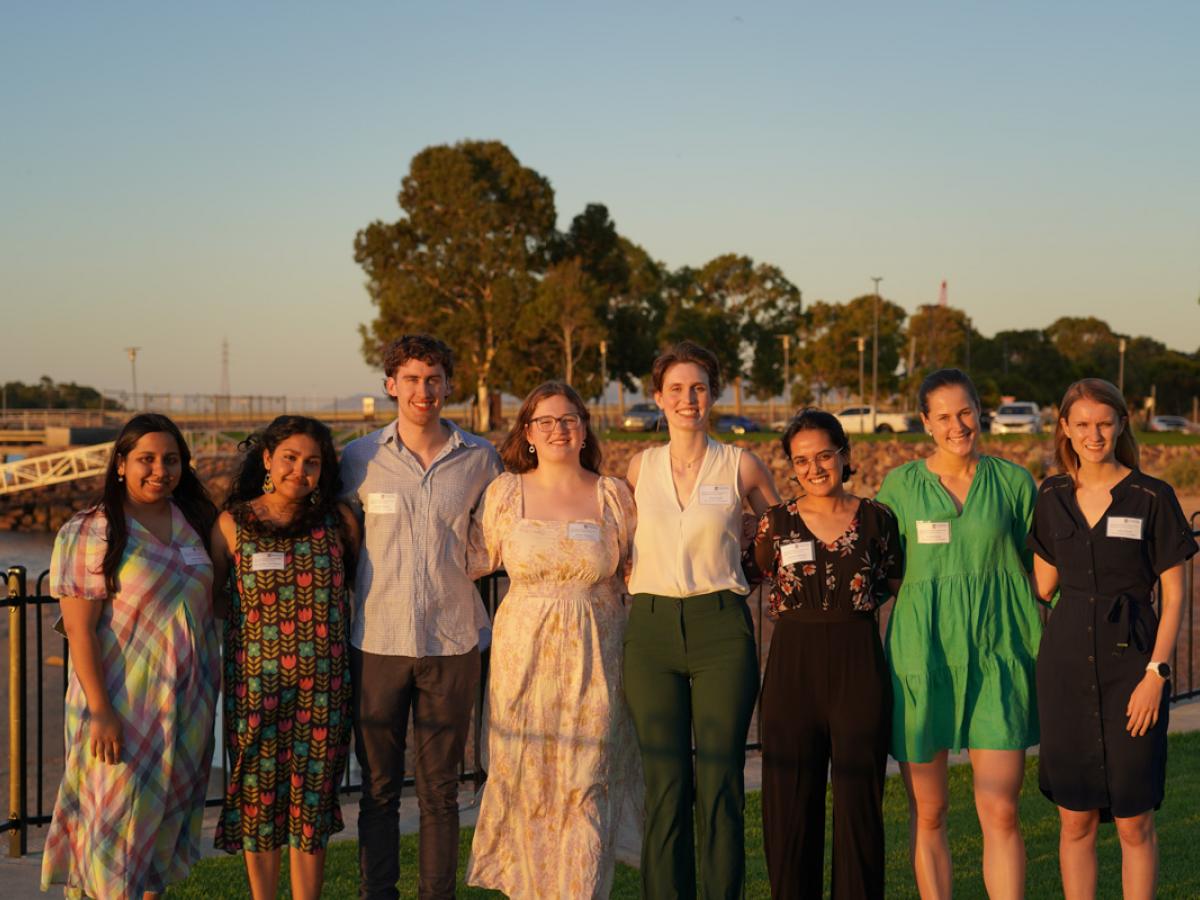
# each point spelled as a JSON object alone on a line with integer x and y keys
{"x": 49, "y": 394}
{"x": 477, "y": 259}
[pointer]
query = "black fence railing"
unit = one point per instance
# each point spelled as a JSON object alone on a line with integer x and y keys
{"x": 28, "y": 689}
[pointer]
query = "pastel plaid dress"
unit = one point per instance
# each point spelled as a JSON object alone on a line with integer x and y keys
{"x": 119, "y": 830}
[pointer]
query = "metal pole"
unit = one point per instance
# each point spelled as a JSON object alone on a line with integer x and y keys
{"x": 787, "y": 371}
{"x": 603, "y": 384}
{"x": 133, "y": 352}
{"x": 1121, "y": 367}
{"x": 875, "y": 356}
{"x": 862, "y": 346}
{"x": 16, "y": 711}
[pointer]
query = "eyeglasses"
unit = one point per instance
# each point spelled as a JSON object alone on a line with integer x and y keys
{"x": 547, "y": 424}
{"x": 822, "y": 459}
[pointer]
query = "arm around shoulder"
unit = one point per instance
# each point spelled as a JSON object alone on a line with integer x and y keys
{"x": 758, "y": 484}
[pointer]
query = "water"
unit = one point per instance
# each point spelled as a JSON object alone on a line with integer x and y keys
{"x": 30, "y": 549}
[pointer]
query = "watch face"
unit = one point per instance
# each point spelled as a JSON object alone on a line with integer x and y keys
{"x": 1164, "y": 669}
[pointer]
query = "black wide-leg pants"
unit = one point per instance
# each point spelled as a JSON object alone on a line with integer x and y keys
{"x": 826, "y": 699}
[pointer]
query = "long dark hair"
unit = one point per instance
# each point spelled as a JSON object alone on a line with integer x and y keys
{"x": 189, "y": 495}
{"x": 812, "y": 419}
{"x": 248, "y": 483}
{"x": 514, "y": 449}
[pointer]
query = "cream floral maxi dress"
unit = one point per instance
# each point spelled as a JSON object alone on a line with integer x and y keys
{"x": 562, "y": 765}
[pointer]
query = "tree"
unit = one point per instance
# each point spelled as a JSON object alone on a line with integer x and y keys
{"x": 736, "y": 308}
{"x": 1020, "y": 363}
{"x": 46, "y": 393}
{"x": 462, "y": 261}
{"x": 828, "y": 358}
{"x": 1089, "y": 343}
{"x": 566, "y": 313}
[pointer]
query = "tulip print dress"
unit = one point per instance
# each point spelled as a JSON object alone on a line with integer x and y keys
{"x": 287, "y": 688}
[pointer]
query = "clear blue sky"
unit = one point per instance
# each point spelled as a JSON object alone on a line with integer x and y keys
{"x": 171, "y": 174}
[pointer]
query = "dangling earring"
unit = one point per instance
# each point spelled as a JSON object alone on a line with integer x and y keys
{"x": 268, "y": 485}
{"x": 584, "y": 444}
{"x": 121, "y": 479}
{"x": 531, "y": 448}
{"x": 315, "y": 497}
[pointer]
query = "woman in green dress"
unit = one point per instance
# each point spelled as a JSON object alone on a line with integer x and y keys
{"x": 963, "y": 636}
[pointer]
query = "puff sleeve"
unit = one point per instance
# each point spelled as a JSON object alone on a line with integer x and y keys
{"x": 484, "y": 546}
{"x": 76, "y": 563}
{"x": 618, "y": 500}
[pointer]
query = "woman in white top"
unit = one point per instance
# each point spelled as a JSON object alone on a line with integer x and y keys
{"x": 690, "y": 664}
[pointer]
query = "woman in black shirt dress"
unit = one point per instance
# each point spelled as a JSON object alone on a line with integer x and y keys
{"x": 832, "y": 559}
{"x": 1103, "y": 534}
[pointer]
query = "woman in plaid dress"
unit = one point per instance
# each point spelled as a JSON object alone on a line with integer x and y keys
{"x": 134, "y": 578}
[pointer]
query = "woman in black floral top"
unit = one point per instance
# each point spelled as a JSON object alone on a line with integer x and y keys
{"x": 832, "y": 559}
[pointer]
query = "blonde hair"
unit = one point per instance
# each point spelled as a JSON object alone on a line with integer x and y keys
{"x": 1098, "y": 391}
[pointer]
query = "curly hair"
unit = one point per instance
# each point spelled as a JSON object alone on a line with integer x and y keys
{"x": 417, "y": 346}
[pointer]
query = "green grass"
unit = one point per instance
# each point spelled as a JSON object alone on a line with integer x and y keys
{"x": 1178, "y": 826}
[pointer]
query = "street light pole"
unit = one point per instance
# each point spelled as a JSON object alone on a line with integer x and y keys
{"x": 787, "y": 369}
{"x": 133, "y": 352}
{"x": 1121, "y": 367}
{"x": 862, "y": 346}
{"x": 603, "y": 384}
{"x": 875, "y": 356}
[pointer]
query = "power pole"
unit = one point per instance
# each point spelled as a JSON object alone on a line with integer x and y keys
{"x": 133, "y": 352}
{"x": 875, "y": 356}
{"x": 603, "y": 384}
{"x": 862, "y": 346}
{"x": 787, "y": 369}
{"x": 1121, "y": 367}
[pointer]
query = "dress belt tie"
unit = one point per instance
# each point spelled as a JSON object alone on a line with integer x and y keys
{"x": 1125, "y": 613}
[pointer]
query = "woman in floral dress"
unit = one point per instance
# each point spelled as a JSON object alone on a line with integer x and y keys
{"x": 281, "y": 548}
{"x": 562, "y": 764}
{"x": 832, "y": 559}
{"x": 134, "y": 579}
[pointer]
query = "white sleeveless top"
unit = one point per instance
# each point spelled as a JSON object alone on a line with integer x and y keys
{"x": 693, "y": 549}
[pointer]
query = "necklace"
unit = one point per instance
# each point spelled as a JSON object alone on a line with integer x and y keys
{"x": 687, "y": 463}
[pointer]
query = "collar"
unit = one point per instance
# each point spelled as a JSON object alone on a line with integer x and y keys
{"x": 458, "y": 438}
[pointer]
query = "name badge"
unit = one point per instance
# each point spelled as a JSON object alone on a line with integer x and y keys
{"x": 1127, "y": 527}
{"x": 583, "y": 531}
{"x": 716, "y": 494}
{"x": 792, "y": 552}
{"x": 194, "y": 556}
{"x": 381, "y": 504}
{"x": 933, "y": 532}
{"x": 272, "y": 561}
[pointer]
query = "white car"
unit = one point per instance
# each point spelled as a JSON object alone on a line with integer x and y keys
{"x": 1171, "y": 423}
{"x": 1017, "y": 418}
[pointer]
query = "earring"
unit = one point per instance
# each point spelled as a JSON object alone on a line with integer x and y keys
{"x": 121, "y": 479}
{"x": 582, "y": 445}
{"x": 315, "y": 497}
{"x": 531, "y": 450}
{"x": 268, "y": 485}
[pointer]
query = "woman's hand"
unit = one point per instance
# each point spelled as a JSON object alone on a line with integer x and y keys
{"x": 1143, "y": 705}
{"x": 104, "y": 733}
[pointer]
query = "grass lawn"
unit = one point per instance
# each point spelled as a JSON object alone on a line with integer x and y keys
{"x": 1178, "y": 826}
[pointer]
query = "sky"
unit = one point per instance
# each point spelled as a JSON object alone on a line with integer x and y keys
{"x": 176, "y": 175}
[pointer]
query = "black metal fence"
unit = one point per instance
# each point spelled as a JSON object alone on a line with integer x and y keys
{"x": 27, "y": 687}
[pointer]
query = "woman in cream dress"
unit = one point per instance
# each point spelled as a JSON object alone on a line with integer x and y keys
{"x": 562, "y": 763}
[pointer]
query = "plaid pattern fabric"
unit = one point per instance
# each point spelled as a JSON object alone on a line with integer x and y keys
{"x": 412, "y": 596}
{"x": 119, "y": 830}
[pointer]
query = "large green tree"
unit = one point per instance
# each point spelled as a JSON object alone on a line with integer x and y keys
{"x": 1022, "y": 363}
{"x": 463, "y": 259}
{"x": 828, "y": 359}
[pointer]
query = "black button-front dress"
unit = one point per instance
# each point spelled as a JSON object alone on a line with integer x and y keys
{"x": 1100, "y": 637}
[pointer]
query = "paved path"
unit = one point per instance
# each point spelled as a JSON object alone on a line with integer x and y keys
{"x": 19, "y": 878}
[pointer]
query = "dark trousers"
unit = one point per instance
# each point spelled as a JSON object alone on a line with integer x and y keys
{"x": 440, "y": 692}
{"x": 826, "y": 698}
{"x": 690, "y": 671}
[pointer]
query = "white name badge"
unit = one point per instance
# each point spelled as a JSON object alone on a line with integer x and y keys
{"x": 716, "y": 494}
{"x": 933, "y": 532}
{"x": 792, "y": 552}
{"x": 381, "y": 504}
{"x": 272, "y": 561}
{"x": 583, "y": 531}
{"x": 194, "y": 556}
{"x": 1126, "y": 527}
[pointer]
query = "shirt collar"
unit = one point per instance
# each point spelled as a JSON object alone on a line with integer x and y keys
{"x": 458, "y": 437}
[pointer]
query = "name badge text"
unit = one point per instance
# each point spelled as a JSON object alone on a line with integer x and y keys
{"x": 1128, "y": 527}
{"x": 933, "y": 532}
{"x": 268, "y": 561}
{"x": 194, "y": 556}
{"x": 792, "y": 552}
{"x": 716, "y": 494}
{"x": 381, "y": 504}
{"x": 583, "y": 531}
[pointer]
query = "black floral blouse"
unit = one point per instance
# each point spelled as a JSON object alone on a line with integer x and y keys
{"x": 851, "y": 574}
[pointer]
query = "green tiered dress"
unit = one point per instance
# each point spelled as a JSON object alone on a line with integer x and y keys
{"x": 963, "y": 636}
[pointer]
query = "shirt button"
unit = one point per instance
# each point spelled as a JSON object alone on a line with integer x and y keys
{"x": 1091, "y": 599}
{"x": 1091, "y": 659}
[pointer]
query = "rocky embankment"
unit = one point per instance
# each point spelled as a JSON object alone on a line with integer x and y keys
{"x": 47, "y": 508}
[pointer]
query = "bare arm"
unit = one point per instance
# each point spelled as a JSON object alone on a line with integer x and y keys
{"x": 756, "y": 483}
{"x": 1045, "y": 578}
{"x": 635, "y": 467}
{"x": 224, "y": 536}
{"x": 1147, "y": 696}
{"x": 80, "y": 619}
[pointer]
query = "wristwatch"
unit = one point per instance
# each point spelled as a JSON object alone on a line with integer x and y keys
{"x": 1161, "y": 669}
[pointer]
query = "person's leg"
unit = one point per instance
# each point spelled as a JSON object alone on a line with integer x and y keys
{"x": 306, "y": 871}
{"x": 382, "y": 695}
{"x": 860, "y": 716}
{"x": 929, "y": 848}
{"x": 1077, "y": 852}
{"x": 721, "y": 656}
{"x": 445, "y": 695}
{"x": 1139, "y": 855}
{"x": 998, "y": 775}
{"x": 262, "y": 870}
{"x": 658, "y": 694}
{"x": 795, "y": 758}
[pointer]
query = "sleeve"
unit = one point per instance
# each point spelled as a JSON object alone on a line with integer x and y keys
{"x": 619, "y": 499}
{"x": 350, "y": 475}
{"x": 890, "y": 494}
{"x": 891, "y": 558}
{"x": 487, "y": 528}
{"x": 1041, "y": 531}
{"x": 1171, "y": 539}
{"x": 76, "y": 563}
{"x": 759, "y": 560}
{"x": 1024, "y": 499}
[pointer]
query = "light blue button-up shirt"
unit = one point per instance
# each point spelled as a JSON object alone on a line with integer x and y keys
{"x": 412, "y": 594}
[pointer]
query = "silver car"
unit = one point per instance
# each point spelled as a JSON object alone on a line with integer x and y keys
{"x": 642, "y": 417}
{"x": 1017, "y": 418}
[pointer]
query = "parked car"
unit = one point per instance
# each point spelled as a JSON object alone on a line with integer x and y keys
{"x": 642, "y": 417}
{"x": 1017, "y": 418}
{"x": 1172, "y": 423}
{"x": 736, "y": 425}
{"x": 857, "y": 420}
